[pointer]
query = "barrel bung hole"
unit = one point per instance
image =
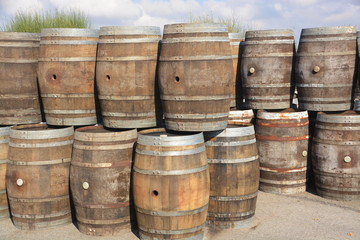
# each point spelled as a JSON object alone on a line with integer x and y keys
{"x": 155, "y": 193}
{"x": 108, "y": 77}
{"x": 177, "y": 79}
{"x": 53, "y": 77}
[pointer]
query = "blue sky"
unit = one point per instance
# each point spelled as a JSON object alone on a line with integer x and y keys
{"x": 259, "y": 14}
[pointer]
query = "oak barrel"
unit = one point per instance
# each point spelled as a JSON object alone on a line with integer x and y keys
{"x": 100, "y": 179}
{"x": 4, "y": 146}
{"x": 125, "y": 75}
{"x": 67, "y": 75}
{"x": 19, "y": 96}
{"x": 236, "y": 46}
{"x": 37, "y": 176}
{"x": 234, "y": 175}
{"x": 171, "y": 185}
{"x": 195, "y": 76}
{"x": 336, "y": 155}
{"x": 282, "y": 140}
{"x": 266, "y": 69}
{"x": 325, "y": 64}
{"x": 241, "y": 116}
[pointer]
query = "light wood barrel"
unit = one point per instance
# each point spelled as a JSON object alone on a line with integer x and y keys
{"x": 4, "y": 146}
{"x": 195, "y": 76}
{"x": 336, "y": 155}
{"x": 125, "y": 75}
{"x": 325, "y": 64}
{"x": 266, "y": 69}
{"x": 282, "y": 140}
{"x": 67, "y": 75}
{"x": 37, "y": 176}
{"x": 171, "y": 185}
{"x": 236, "y": 47}
{"x": 234, "y": 176}
{"x": 19, "y": 96}
{"x": 100, "y": 179}
{"x": 241, "y": 116}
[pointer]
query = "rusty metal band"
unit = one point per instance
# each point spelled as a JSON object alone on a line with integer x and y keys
{"x": 39, "y": 200}
{"x": 230, "y": 143}
{"x": 232, "y": 214}
{"x": 232, "y": 161}
{"x": 338, "y": 128}
{"x": 129, "y": 123}
{"x": 103, "y": 147}
{"x": 40, "y": 145}
{"x": 41, "y": 134}
{"x": 336, "y": 142}
{"x": 172, "y": 213}
{"x": 133, "y": 114}
{"x": 103, "y": 221}
{"x": 276, "y": 138}
{"x": 68, "y": 121}
{"x": 38, "y": 216}
{"x": 283, "y": 182}
{"x": 282, "y": 125}
{"x": 232, "y": 132}
{"x": 317, "y": 54}
{"x": 69, "y": 32}
{"x": 102, "y": 206}
{"x": 4, "y": 161}
{"x": 195, "y": 28}
{"x": 282, "y": 115}
{"x": 130, "y": 30}
{"x": 333, "y": 118}
{"x": 170, "y": 172}
{"x": 172, "y": 232}
{"x": 265, "y": 55}
{"x": 130, "y": 40}
{"x": 195, "y": 58}
{"x": 17, "y": 60}
{"x": 67, "y": 59}
{"x": 283, "y": 170}
{"x": 126, "y": 98}
{"x": 68, "y": 42}
{"x": 102, "y": 165}
{"x": 335, "y": 175}
{"x": 197, "y": 115}
{"x": 19, "y": 44}
{"x": 282, "y": 97}
{"x": 320, "y": 85}
{"x": 129, "y": 58}
{"x": 272, "y": 42}
{"x": 75, "y": 111}
{"x": 40, "y": 163}
{"x": 195, "y": 98}
{"x": 265, "y": 85}
{"x": 67, "y": 95}
{"x": 195, "y": 39}
{"x": 233, "y": 198}
{"x": 168, "y": 141}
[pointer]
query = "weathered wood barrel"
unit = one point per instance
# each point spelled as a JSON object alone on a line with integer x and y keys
{"x": 19, "y": 96}
{"x": 171, "y": 185}
{"x": 241, "y": 116}
{"x": 336, "y": 155}
{"x": 325, "y": 64}
{"x": 125, "y": 75}
{"x": 67, "y": 75}
{"x": 195, "y": 76}
{"x": 100, "y": 179}
{"x": 234, "y": 175}
{"x": 236, "y": 46}
{"x": 266, "y": 69}
{"x": 37, "y": 176}
{"x": 4, "y": 146}
{"x": 282, "y": 140}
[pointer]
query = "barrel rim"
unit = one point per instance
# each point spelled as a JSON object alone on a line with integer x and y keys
{"x": 269, "y": 33}
{"x": 190, "y": 137}
{"x": 238, "y": 36}
{"x": 194, "y": 28}
{"x": 69, "y": 32}
{"x": 240, "y": 130}
{"x": 130, "y": 30}
{"x": 352, "y": 117}
{"x": 25, "y": 36}
{"x": 263, "y": 114}
{"x": 327, "y": 30}
{"x": 82, "y": 133}
{"x": 16, "y": 132}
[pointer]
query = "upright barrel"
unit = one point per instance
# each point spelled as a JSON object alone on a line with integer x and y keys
{"x": 325, "y": 64}
{"x": 171, "y": 185}
{"x": 195, "y": 76}
{"x": 236, "y": 47}
{"x": 37, "y": 176}
{"x": 336, "y": 155}
{"x": 100, "y": 179}
{"x": 125, "y": 75}
{"x": 234, "y": 175}
{"x": 266, "y": 69}
{"x": 282, "y": 140}
{"x": 67, "y": 75}
{"x": 19, "y": 96}
{"x": 4, "y": 146}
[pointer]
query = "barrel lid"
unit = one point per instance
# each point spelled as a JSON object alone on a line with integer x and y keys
{"x": 130, "y": 30}
{"x": 233, "y": 130}
{"x": 39, "y": 131}
{"x": 23, "y": 36}
{"x": 328, "y": 30}
{"x": 270, "y": 33}
{"x": 344, "y": 117}
{"x": 194, "y": 28}
{"x": 70, "y": 32}
{"x": 100, "y": 134}
{"x": 5, "y": 130}
{"x": 283, "y": 115}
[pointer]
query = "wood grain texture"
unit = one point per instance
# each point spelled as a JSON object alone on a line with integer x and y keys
{"x": 4, "y": 147}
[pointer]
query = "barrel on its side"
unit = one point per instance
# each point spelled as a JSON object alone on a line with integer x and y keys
{"x": 336, "y": 155}
{"x": 100, "y": 179}
{"x": 4, "y": 146}
{"x": 282, "y": 140}
{"x": 37, "y": 176}
{"x": 171, "y": 185}
{"x": 234, "y": 176}
{"x": 67, "y": 75}
{"x": 325, "y": 64}
{"x": 19, "y": 96}
{"x": 236, "y": 47}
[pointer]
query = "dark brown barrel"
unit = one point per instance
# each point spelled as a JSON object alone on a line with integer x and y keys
{"x": 100, "y": 179}
{"x": 282, "y": 140}
{"x": 196, "y": 76}
{"x": 37, "y": 176}
{"x": 234, "y": 176}
{"x": 4, "y": 146}
{"x": 236, "y": 46}
{"x": 171, "y": 185}
{"x": 325, "y": 64}
{"x": 19, "y": 96}
{"x": 241, "y": 116}
{"x": 336, "y": 155}
{"x": 67, "y": 75}
{"x": 266, "y": 67}
{"x": 125, "y": 75}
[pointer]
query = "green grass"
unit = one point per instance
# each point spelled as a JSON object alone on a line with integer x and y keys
{"x": 35, "y": 21}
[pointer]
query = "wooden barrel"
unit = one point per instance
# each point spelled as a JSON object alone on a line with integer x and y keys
{"x": 195, "y": 76}
{"x": 37, "y": 176}
{"x": 236, "y": 46}
{"x": 234, "y": 176}
{"x": 325, "y": 64}
{"x": 357, "y": 87}
{"x": 241, "y": 116}
{"x": 336, "y": 155}
{"x": 266, "y": 69}
{"x": 171, "y": 185}
{"x": 282, "y": 140}
{"x": 125, "y": 75}
{"x": 67, "y": 75}
{"x": 4, "y": 146}
{"x": 19, "y": 96}
{"x": 100, "y": 179}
